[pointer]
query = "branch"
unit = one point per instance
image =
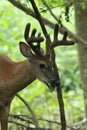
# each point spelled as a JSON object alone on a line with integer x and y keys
{"x": 63, "y": 29}
{"x": 59, "y": 91}
{"x": 39, "y": 17}
{"x": 61, "y": 107}
{"x": 59, "y": 97}
{"x": 22, "y": 7}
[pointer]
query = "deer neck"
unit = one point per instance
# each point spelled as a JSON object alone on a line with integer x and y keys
{"x": 23, "y": 74}
{"x": 16, "y": 76}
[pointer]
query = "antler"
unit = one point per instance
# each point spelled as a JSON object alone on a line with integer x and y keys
{"x": 62, "y": 42}
{"x": 30, "y": 40}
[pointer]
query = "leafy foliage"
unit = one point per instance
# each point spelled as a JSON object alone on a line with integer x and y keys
{"x": 42, "y": 102}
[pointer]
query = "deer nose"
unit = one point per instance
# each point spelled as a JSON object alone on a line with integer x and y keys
{"x": 56, "y": 82}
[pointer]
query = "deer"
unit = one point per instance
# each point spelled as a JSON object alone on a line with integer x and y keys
{"x": 15, "y": 76}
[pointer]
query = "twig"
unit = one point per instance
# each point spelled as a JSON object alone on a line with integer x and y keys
{"x": 19, "y": 117}
{"x": 29, "y": 108}
{"x": 46, "y": 120}
{"x": 61, "y": 107}
{"x": 82, "y": 122}
{"x": 64, "y": 29}
{"x": 59, "y": 97}
{"x": 55, "y": 122}
{"x": 18, "y": 124}
{"x": 50, "y": 10}
{"x": 27, "y": 127}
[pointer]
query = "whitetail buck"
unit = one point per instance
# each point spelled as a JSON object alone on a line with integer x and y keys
{"x": 14, "y": 76}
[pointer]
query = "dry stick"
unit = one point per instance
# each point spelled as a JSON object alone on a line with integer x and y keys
{"x": 20, "y": 117}
{"x": 60, "y": 98}
{"x": 29, "y": 108}
{"x": 59, "y": 92}
{"x": 61, "y": 107}
{"x": 28, "y": 127}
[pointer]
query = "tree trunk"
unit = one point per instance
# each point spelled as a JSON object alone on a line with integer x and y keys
{"x": 81, "y": 30}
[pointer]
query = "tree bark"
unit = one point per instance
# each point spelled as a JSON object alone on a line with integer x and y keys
{"x": 81, "y": 31}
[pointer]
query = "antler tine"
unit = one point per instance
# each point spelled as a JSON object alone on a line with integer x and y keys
{"x": 65, "y": 36}
{"x": 38, "y": 43}
{"x": 33, "y": 38}
{"x": 39, "y": 49}
{"x": 26, "y": 33}
{"x": 48, "y": 43}
{"x": 33, "y": 32}
{"x": 56, "y": 29}
{"x": 62, "y": 42}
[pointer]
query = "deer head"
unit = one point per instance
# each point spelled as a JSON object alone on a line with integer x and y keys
{"x": 39, "y": 61}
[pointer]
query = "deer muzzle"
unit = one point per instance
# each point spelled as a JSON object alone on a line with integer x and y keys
{"x": 53, "y": 84}
{"x": 56, "y": 83}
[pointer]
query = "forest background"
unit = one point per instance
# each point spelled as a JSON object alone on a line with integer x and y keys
{"x": 37, "y": 96}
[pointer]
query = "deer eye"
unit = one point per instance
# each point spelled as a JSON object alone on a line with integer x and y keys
{"x": 42, "y": 66}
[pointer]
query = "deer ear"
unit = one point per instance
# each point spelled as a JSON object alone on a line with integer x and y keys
{"x": 25, "y": 50}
